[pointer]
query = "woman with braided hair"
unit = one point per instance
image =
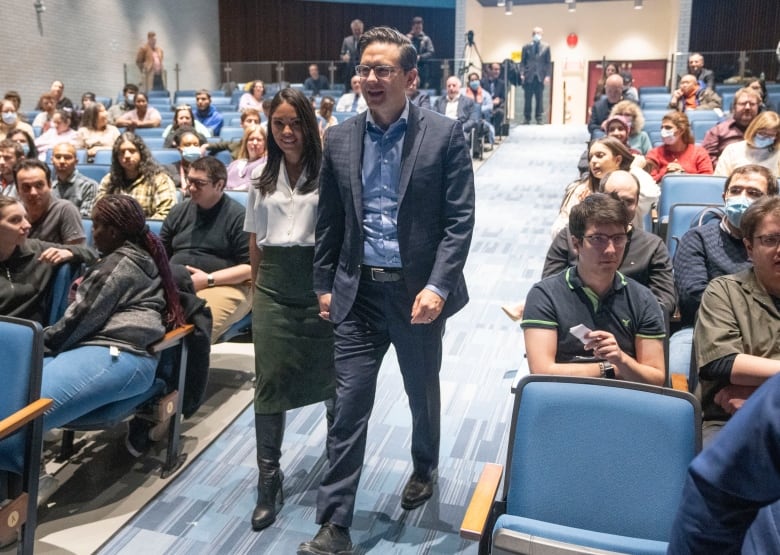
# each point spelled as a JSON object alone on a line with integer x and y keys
{"x": 98, "y": 352}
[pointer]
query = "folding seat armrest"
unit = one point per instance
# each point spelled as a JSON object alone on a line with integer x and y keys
{"x": 481, "y": 505}
{"x": 172, "y": 338}
{"x": 23, "y": 416}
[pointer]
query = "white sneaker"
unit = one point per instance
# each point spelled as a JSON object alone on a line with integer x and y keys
{"x": 47, "y": 486}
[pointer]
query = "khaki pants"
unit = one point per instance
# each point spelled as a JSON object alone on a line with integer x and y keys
{"x": 228, "y": 304}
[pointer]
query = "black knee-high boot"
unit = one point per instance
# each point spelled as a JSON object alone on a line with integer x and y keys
{"x": 269, "y": 432}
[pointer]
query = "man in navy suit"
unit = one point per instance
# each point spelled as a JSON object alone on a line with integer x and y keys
{"x": 394, "y": 226}
{"x": 535, "y": 68}
{"x": 457, "y": 106}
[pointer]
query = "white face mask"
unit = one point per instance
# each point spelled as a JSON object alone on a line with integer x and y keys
{"x": 667, "y": 136}
{"x": 9, "y": 117}
{"x": 759, "y": 141}
{"x": 537, "y": 37}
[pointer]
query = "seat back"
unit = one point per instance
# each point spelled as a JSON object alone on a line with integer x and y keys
{"x": 681, "y": 219}
{"x": 685, "y": 189}
{"x": 601, "y": 455}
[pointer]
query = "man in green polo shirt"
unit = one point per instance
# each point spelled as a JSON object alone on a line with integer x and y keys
{"x": 590, "y": 320}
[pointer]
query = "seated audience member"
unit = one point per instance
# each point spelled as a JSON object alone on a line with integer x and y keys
{"x": 26, "y": 141}
{"x": 182, "y": 117}
{"x": 352, "y": 101}
{"x": 638, "y": 139}
{"x": 457, "y": 106}
{"x": 190, "y": 146}
{"x": 630, "y": 92}
{"x": 690, "y": 96}
{"x": 206, "y": 234}
{"x": 325, "y": 117}
{"x": 208, "y": 114}
{"x": 495, "y": 85}
{"x": 59, "y": 132}
{"x": 69, "y": 183}
{"x": 744, "y": 109}
{"x": 48, "y": 105}
{"x": 729, "y": 501}
{"x": 142, "y": 116}
{"x": 249, "y": 118}
{"x": 315, "y": 82}
{"x": 618, "y": 127}
{"x": 611, "y": 68}
{"x": 128, "y": 103}
{"x": 51, "y": 219}
{"x": 135, "y": 173}
{"x": 759, "y": 87}
{"x": 645, "y": 258}
{"x": 251, "y": 159}
{"x": 30, "y": 264}
{"x": 704, "y": 76}
{"x": 679, "y": 153}
{"x": 10, "y": 120}
{"x": 484, "y": 102}
{"x": 253, "y": 98}
{"x": 57, "y": 90}
{"x": 759, "y": 146}
{"x": 95, "y": 132}
{"x": 10, "y": 153}
{"x": 606, "y": 155}
{"x": 602, "y": 107}
{"x": 14, "y": 97}
{"x": 417, "y": 97}
{"x": 125, "y": 301}
{"x": 624, "y": 339}
{"x": 87, "y": 99}
{"x": 735, "y": 338}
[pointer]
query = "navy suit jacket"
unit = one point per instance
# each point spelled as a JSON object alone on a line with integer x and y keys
{"x": 468, "y": 112}
{"x": 535, "y": 65}
{"x": 435, "y": 210}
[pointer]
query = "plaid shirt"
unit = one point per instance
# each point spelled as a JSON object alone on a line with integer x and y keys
{"x": 155, "y": 197}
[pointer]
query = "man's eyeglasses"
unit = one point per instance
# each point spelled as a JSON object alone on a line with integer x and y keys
{"x": 770, "y": 240}
{"x": 198, "y": 183}
{"x": 745, "y": 103}
{"x": 601, "y": 240}
{"x": 381, "y": 72}
{"x": 751, "y": 192}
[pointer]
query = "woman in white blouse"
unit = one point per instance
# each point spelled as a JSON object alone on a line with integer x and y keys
{"x": 760, "y": 146}
{"x": 293, "y": 345}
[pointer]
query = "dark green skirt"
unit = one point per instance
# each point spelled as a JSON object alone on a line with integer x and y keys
{"x": 293, "y": 345}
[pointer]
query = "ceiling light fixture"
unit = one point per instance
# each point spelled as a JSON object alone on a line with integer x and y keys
{"x": 572, "y": 6}
{"x": 501, "y": 3}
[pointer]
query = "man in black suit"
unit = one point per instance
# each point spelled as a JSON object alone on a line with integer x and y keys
{"x": 394, "y": 226}
{"x": 457, "y": 106}
{"x": 494, "y": 84}
{"x": 349, "y": 50}
{"x": 535, "y": 67}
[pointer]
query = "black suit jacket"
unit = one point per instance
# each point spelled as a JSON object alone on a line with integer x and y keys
{"x": 435, "y": 210}
{"x": 535, "y": 65}
{"x": 497, "y": 89}
{"x": 468, "y": 111}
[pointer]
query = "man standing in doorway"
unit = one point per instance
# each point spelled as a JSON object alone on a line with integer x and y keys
{"x": 535, "y": 67}
{"x": 394, "y": 226}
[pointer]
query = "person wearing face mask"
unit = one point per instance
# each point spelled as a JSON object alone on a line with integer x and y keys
{"x": 535, "y": 69}
{"x": 484, "y": 101}
{"x": 128, "y": 103}
{"x": 26, "y": 141}
{"x": 189, "y": 143}
{"x": 678, "y": 154}
{"x": 744, "y": 109}
{"x": 759, "y": 146}
{"x": 9, "y": 120}
{"x": 712, "y": 250}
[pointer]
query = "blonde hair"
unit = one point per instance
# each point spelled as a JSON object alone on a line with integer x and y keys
{"x": 243, "y": 152}
{"x": 629, "y": 107}
{"x": 764, "y": 120}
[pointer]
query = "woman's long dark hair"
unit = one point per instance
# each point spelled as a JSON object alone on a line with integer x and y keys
{"x": 617, "y": 149}
{"x": 312, "y": 145}
{"x": 148, "y": 167}
{"x": 125, "y": 214}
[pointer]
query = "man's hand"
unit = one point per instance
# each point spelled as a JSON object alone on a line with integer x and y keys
{"x": 427, "y": 307}
{"x": 324, "y": 301}
{"x": 732, "y": 397}
{"x": 199, "y": 278}
{"x": 604, "y": 346}
{"x": 55, "y": 256}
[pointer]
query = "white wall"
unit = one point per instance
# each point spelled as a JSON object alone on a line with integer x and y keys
{"x": 605, "y": 29}
{"x": 85, "y": 43}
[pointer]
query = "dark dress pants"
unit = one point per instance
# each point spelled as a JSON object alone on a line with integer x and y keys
{"x": 533, "y": 89}
{"x": 380, "y": 316}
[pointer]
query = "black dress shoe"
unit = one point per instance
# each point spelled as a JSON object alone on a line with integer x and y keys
{"x": 330, "y": 540}
{"x": 417, "y": 491}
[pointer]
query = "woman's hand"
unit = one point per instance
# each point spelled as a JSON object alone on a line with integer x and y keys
{"x": 54, "y": 255}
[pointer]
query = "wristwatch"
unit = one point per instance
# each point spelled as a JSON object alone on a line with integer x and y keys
{"x": 607, "y": 370}
{"x": 210, "y": 280}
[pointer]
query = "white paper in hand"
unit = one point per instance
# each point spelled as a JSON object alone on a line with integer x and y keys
{"x": 580, "y": 331}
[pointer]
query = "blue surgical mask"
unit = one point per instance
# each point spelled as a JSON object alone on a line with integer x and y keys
{"x": 190, "y": 153}
{"x": 130, "y": 98}
{"x": 537, "y": 37}
{"x": 759, "y": 141}
{"x": 474, "y": 85}
{"x": 735, "y": 207}
{"x": 9, "y": 118}
{"x": 25, "y": 149}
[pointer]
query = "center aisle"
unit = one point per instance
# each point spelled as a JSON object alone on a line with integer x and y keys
{"x": 207, "y": 508}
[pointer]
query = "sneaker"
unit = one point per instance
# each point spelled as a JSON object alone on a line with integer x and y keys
{"x": 47, "y": 486}
{"x": 137, "y": 440}
{"x": 330, "y": 540}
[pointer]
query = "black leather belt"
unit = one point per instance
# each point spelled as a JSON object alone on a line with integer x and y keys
{"x": 375, "y": 273}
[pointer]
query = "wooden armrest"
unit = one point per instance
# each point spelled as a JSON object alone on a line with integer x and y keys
{"x": 478, "y": 511}
{"x": 172, "y": 338}
{"x": 679, "y": 382}
{"x": 23, "y": 416}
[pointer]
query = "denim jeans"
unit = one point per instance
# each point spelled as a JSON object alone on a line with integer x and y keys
{"x": 680, "y": 345}
{"x": 85, "y": 378}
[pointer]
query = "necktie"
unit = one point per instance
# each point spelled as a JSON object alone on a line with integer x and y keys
{"x": 354, "y": 103}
